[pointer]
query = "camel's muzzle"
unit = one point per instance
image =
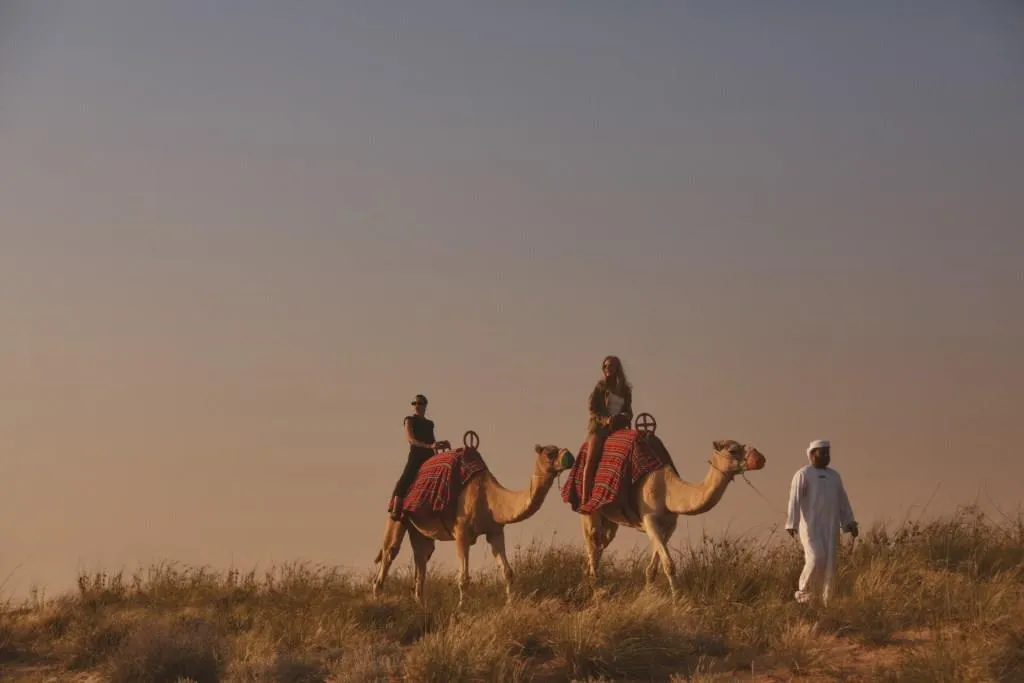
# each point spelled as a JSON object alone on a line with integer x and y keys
{"x": 566, "y": 461}
{"x": 754, "y": 461}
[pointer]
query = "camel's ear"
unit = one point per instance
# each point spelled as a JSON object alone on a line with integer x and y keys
{"x": 538, "y": 449}
{"x": 718, "y": 445}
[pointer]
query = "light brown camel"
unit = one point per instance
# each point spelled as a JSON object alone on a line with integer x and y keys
{"x": 483, "y": 508}
{"x": 659, "y": 498}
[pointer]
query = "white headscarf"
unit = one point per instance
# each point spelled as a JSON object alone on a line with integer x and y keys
{"x": 820, "y": 443}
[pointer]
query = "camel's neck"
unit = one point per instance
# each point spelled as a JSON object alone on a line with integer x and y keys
{"x": 509, "y": 507}
{"x": 684, "y": 498}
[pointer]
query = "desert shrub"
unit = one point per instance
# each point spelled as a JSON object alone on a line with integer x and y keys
{"x": 163, "y": 652}
{"x": 623, "y": 639}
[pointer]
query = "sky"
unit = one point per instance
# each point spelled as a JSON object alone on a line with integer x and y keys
{"x": 238, "y": 237}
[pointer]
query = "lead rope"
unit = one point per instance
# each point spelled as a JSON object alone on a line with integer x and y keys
{"x": 853, "y": 539}
{"x": 751, "y": 485}
{"x": 764, "y": 498}
{"x": 743, "y": 473}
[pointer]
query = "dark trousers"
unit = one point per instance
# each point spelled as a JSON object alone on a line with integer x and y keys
{"x": 417, "y": 456}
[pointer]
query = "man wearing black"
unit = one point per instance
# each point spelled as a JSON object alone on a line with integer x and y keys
{"x": 420, "y": 433}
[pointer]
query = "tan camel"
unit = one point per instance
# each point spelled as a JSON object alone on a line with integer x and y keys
{"x": 659, "y": 498}
{"x": 483, "y": 508}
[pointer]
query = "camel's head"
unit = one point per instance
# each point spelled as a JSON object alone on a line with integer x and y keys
{"x": 735, "y": 458}
{"x": 553, "y": 459}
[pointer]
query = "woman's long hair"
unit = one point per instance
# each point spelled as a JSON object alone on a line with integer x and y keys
{"x": 617, "y": 382}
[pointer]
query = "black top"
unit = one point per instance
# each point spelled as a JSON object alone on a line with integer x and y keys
{"x": 422, "y": 430}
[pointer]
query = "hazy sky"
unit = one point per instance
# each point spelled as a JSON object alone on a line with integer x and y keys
{"x": 237, "y": 237}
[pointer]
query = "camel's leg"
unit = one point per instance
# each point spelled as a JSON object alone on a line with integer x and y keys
{"x": 422, "y": 550}
{"x": 657, "y": 535}
{"x": 591, "y": 539}
{"x": 462, "y": 543}
{"x": 394, "y": 532}
{"x": 652, "y": 568}
{"x": 597, "y": 534}
{"x": 497, "y": 543}
{"x": 667, "y": 528}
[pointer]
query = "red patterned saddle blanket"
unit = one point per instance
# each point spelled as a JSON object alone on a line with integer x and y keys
{"x": 440, "y": 480}
{"x": 628, "y": 456}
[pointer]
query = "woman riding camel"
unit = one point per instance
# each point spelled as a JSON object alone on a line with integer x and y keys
{"x": 610, "y": 401}
{"x": 419, "y": 432}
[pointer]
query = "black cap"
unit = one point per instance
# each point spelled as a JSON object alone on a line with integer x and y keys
{"x": 420, "y": 398}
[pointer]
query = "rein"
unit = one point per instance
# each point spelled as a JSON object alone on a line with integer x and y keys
{"x": 743, "y": 473}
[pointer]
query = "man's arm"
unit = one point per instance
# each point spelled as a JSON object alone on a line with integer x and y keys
{"x": 793, "y": 512}
{"x": 412, "y": 437}
{"x": 846, "y": 519}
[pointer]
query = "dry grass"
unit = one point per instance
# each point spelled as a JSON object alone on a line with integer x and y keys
{"x": 936, "y": 601}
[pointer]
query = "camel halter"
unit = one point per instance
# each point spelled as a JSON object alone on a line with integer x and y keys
{"x": 730, "y": 475}
{"x": 743, "y": 473}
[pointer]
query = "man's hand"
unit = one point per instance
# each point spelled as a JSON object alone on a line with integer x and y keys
{"x": 791, "y": 532}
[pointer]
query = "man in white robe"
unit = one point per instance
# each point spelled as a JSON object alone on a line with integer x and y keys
{"x": 820, "y": 509}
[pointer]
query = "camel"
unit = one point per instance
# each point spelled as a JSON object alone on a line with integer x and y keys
{"x": 483, "y": 508}
{"x": 659, "y": 498}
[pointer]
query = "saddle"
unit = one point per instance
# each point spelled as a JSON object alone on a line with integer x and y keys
{"x": 440, "y": 480}
{"x": 628, "y": 455}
